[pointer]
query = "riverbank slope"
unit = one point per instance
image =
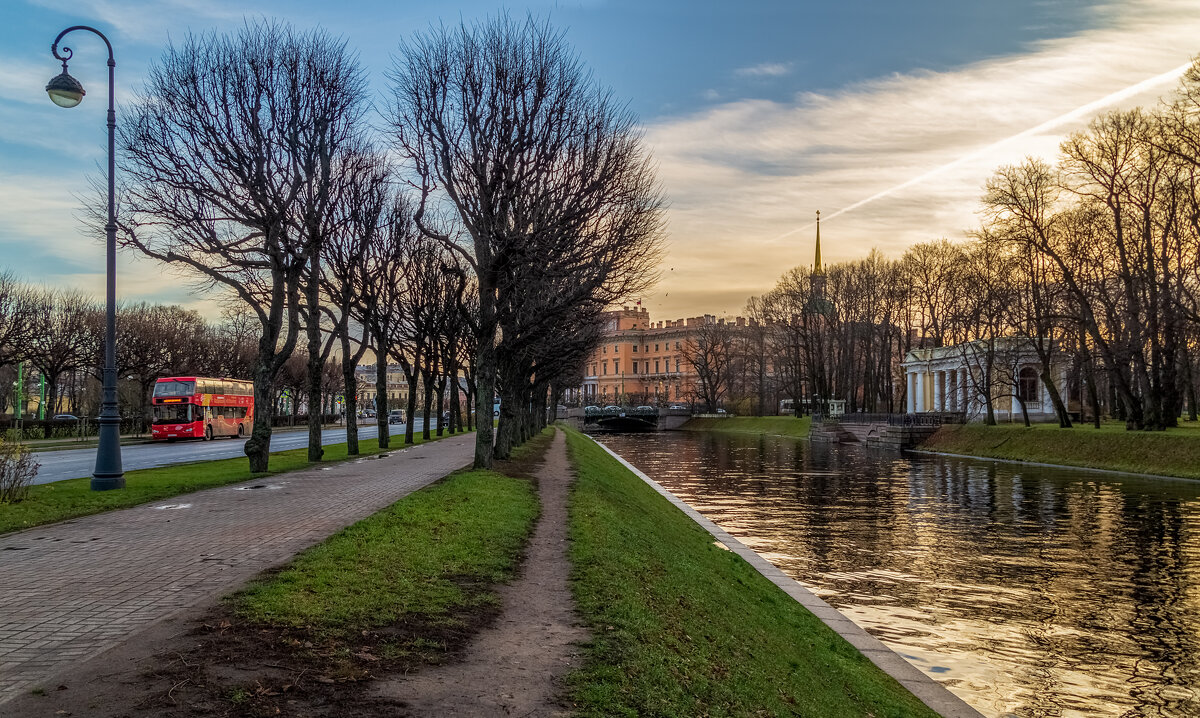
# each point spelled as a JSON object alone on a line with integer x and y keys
{"x": 1175, "y": 452}
{"x": 772, "y": 425}
{"x": 682, "y": 626}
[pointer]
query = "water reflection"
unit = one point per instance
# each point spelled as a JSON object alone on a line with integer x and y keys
{"x": 1028, "y": 591}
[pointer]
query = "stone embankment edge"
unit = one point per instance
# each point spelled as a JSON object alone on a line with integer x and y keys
{"x": 1023, "y": 462}
{"x": 927, "y": 690}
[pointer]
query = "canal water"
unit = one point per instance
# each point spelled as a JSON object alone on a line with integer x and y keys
{"x": 1027, "y": 591}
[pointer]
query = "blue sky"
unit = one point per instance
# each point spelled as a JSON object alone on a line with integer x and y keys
{"x": 758, "y": 112}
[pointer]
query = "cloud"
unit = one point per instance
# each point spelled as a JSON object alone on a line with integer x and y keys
{"x": 766, "y": 69}
{"x": 745, "y": 177}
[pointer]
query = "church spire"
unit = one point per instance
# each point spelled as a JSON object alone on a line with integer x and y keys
{"x": 817, "y": 269}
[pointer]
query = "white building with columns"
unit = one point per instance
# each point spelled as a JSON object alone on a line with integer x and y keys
{"x": 951, "y": 379}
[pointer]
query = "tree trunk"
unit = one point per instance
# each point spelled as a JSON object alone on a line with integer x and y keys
{"x": 258, "y": 446}
{"x": 316, "y": 365}
{"x": 350, "y": 388}
{"x": 381, "y": 396}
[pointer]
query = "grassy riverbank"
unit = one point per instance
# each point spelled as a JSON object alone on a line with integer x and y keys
{"x": 682, "y": 627}
{"x": 1175, "y": 452}
{"x": 62, "y": 500}
{"x": 774, "y": 425}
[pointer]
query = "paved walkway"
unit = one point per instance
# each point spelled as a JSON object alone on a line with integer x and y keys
{"x": 75, "y": 589}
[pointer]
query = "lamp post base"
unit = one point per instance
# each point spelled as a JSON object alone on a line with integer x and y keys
{"x": 107, "y": 483}
{"x": 109, "y": 474}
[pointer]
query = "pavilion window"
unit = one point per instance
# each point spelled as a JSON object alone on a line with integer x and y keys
{"x": 1027, "y": 385}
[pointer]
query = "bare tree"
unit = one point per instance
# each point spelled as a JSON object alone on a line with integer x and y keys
{"x": 225, "y": 163}
{"x": 503, "y": 122}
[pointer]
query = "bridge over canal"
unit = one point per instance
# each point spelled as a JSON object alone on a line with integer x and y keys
{"x": 623, "y": 418}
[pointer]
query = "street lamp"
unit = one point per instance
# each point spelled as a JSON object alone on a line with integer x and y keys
{"x": 65, "y": 91}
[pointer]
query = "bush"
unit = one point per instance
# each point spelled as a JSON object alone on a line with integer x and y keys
{"x": 17, "y": 469}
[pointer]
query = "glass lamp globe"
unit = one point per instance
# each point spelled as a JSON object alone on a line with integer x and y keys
{"x": 65, "y": 91}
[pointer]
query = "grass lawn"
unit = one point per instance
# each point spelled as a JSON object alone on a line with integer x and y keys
{"x": 774, "y": 425}
{"x": 1175, "y": 452}
{"x": 420, "y": 556}
{"x": 683, "y": 628}
{"x": 61, "y": 500}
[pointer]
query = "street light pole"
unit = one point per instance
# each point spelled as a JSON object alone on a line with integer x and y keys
{"x": 65, "y": 91}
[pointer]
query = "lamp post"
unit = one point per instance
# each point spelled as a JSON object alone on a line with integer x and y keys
{"x": 65, "y": 91}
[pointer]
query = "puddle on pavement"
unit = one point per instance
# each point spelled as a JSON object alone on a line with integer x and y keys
{"x": 172, "y": 507}
{"x": 258, "y": 486}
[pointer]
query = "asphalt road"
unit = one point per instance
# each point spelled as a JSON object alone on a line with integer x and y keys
{"x": 78, "y": 463}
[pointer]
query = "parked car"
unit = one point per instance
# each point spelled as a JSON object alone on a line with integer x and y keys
{"x": 721, "y": 411}
{"x": 64, "y": 417}
{"x": 396, "y": 416}
{"x": 591, "y": 408}
{"x": 677, "y": 406}
{"x": 612, "y": 407}
{"x": 643, "y": 407}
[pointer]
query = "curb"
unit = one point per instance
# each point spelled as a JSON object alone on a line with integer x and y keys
{"x": 926, "y": 689}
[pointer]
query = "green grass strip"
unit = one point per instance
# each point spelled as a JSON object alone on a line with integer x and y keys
{"x": 73, "y": 498}
{"x": 774, "y": 425}
{"x": 682, "y": 627}
{"x": 413, "y": 558}
{"x": 1175, "y": 452}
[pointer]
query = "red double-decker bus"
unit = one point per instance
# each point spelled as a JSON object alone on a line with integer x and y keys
{"x": 196, "y": 407}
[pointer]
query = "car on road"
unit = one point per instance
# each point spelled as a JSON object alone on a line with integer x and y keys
{"x": 612, "y": 407}
{"x": 591, "y": 408}
{"x": 396, "y": 416}
{"x": 64, "y": 417}
{"x": 677, "y": 406}
{"x": 644, "y": 408}
{"x": 721, "y": 411}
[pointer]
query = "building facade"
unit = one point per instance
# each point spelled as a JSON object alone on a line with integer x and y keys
{"x": 961, "y": 378}
{"x": 397, "y": 386}
{"x": 640, "y": 361}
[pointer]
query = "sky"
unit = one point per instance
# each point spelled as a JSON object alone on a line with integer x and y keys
{"x": 887, "y": 117}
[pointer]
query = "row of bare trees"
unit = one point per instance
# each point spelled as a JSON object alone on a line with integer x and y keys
{"x": 472, "y": 239}
{"x": 59, "y": 334}
{"x": 1092, "y": 260}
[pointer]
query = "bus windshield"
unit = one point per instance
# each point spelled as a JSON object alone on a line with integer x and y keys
{"x": 174, "y": 414}
{"x": 175, "y": 388}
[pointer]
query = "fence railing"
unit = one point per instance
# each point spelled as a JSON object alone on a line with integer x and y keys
{"x": 922, "y": 419}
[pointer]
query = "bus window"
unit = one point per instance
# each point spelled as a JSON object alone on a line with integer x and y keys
{"x": 175, "y": 388}
{"x": 173, "y": 414}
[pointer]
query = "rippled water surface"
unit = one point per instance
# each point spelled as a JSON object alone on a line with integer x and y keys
{"x": 1028, "y": 591}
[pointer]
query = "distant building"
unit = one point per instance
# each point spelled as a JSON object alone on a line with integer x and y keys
{"x": 641, "y": 361}
{"x": 397, "y": 385}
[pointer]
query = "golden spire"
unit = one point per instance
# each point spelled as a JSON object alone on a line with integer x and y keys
{"x": 817, "y": 265}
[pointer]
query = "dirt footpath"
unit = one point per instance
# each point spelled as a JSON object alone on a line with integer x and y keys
{"x": 515, "y": 667}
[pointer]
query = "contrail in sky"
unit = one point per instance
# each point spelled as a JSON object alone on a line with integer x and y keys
{"x": 1077, "y": 113}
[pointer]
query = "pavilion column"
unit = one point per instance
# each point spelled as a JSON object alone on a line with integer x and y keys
{"x": 964, "y": 386}
{"x": 920, "y": 375}
{"x": 911, "y": 378}
{"x": 939, "y": 390}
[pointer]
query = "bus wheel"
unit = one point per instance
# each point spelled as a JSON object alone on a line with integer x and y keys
{"x": 208, "y": 433}
{"x": 241, "y": 431}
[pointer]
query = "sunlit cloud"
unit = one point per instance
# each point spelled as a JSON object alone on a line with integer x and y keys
{"x": 894, "y": 161}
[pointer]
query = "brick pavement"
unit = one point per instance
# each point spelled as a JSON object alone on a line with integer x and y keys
{"x": 74, "y": 589}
